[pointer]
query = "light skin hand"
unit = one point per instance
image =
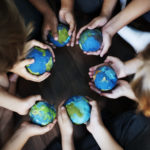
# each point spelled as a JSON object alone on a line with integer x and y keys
{"x": 66, "y": 16}
{"x": 26, "y": 103}
{"x": 117, "y": 65}
{"x": 96, "y": 127}
{"x": 95, "y": 23}
{"x": 26, "y": 130}
{"x": 64, "y": 122}
{"x": 20, "y": 67}
{"x": 95, "y": 118}
{"x": 50, "y": 23}
{"x": 66, "y": 128}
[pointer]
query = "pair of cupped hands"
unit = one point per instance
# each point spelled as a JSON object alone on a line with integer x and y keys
{"x": 64, "y": 122}
{"x": 66, "y": 16}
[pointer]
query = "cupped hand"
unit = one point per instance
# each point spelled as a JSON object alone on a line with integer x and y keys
{"x": 33, "y": 130}
{"x": 99, "y": 21}
{"x": 66, "y": 16}
{"x": 20, "y": 67}
{"x": 117, "y": 65}
{"x": 95, "y": 118}
{"x": 25, "y": 104}
{"x": 50, "y": 23}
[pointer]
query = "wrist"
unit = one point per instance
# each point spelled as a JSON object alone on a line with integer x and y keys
{"x": 109, "y": 30}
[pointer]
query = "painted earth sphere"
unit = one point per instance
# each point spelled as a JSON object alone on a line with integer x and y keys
{"x": 42, "y": 113}
{"x": 43, "y": 61}
{"x": 63, "y": 37}
{"x": 90, "y": 40}
{"x": 105, "y": 78}
{"x": 78, "y": 109}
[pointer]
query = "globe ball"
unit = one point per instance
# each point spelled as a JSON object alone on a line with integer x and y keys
{"x": 90, "y": 40}
{"x": 42, "y": 113}
{"x": 78, "y": 109}
{"x": 63, "y": 37}
{"x": 43, "y": 61}
{"x": 105, "y": 78}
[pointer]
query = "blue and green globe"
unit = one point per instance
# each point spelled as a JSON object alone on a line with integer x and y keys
{"x": 90, "y": 40}
{"x": 63, "y": 37}
{"x": 105, "y": 78}
{"x": 43, "y": 61}
{"x": 42, "y": 113}
{"x": 78, "y": 109}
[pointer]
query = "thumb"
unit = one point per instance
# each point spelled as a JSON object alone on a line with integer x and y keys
{"x": 92, "y": 25}
{"x": 54, "y": 33}
{"x": 27, "y": 62}
{"x": 33, "y": 99}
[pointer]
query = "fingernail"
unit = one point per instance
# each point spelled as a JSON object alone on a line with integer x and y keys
{"x": 56, "y": 38}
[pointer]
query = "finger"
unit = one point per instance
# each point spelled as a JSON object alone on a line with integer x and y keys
{"x": 73, "y": 37}
{"x": 94, "y": 53}
{"x": 52, "y": 52}
{"x": 110, "y": 59}
{"x": 71, "y": 27}
{"x": 61, "y": 104}
{"x": 78, "y": 34}
{"x": 45, "y": 34}
{"x": 92, "y": 69}
{"x": 93, "y": 24}
{"x": 106, "y": 44}
{"x": 27, "y": 62}
{"x": 54, "y": 32}
{"x": 108, "y": 95}
{"x": 39, "y": 44}
{"x": 93, "y": 88}
{"x": 64, "y": 114}
{"x": 43, "y": 76}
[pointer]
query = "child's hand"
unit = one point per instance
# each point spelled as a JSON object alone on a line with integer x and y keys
{"x": 33, "y": 130}
{"x": 67, "y": 17}
{"x": 117, "y": 65}
{"x": 64, "y": 122}
{"x": 25, "y": 104}
{"x": 20, "y": 67}
{"x": 50, "y": 23}
{"x": 95, "y": 118}
{"x": 96, "y": 22}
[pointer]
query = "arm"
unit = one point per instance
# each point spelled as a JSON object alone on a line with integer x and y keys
{"x": 133, "y": 10}
{"x": 96, "y": 127}
{"x": 13, "y": 103}
{"x": 100, "y": 21}
{"x": 21, "y": 136}
{"x": 66, "y": 129}
{"x": 66, "y": 15}
{"x": 50, "y": 21}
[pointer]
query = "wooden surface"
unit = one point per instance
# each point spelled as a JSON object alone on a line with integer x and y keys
{"x": 69, "y": 77}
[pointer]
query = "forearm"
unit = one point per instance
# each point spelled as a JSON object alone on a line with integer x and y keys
{"x": 133, "y": 65}
{"x": 107, "y": 8}
{"x": 105, "y": 140}
{"x": 133, "y": 10}
{"x": 17, "y": 141}
{"x": 67, "y": 4}
{"x": 8, "y": 101}
{"x": 42, "y": 6}
{"x": 67, "y": 142}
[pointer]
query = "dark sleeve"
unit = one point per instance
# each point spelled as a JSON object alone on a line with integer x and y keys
{"x": 132, "y": 131}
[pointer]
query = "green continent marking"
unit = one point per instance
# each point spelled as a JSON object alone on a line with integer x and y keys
{"x": 41, "y": 50}
{"x": 84, "y": 37}
{"x": 63, "y": 35}
{"x": 49, "y": 65}
{"x": 72, "y": 109}
{"x": 35, "y": 73}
